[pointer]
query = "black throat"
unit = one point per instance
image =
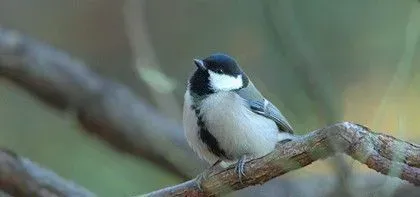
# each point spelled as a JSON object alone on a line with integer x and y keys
{"x": 200, "y": 83}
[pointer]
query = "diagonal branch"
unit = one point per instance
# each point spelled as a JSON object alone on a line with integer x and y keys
{"x": 373, "y": 149}
{"x": 21, "y": 177}
{"x": 103, "y": 107}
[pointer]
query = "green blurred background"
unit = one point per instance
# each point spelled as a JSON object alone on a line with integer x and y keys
{"x": 319, "y": 61}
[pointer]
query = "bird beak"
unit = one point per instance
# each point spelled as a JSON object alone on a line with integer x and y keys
{"x": 200, "y": 64}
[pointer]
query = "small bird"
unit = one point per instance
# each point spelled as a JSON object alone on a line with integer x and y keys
{"x": 226, "y": 119}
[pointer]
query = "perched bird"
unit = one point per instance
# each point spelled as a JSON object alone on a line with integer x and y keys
{"x": 226, "y": 119}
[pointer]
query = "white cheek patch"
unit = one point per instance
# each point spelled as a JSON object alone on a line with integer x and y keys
{"x": 225, "y": 82}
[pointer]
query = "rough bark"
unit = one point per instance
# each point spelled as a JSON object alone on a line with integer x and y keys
{"x": 380, "y": 152}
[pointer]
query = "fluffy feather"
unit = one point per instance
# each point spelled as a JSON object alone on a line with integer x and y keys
{"x": 238, "y": 130}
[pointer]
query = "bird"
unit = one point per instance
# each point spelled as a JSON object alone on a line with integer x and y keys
{"x": 226, "y": 119}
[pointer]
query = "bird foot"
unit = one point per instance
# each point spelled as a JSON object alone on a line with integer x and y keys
{"x": 200, "y": 178}
{"x": 204, "y": 175}
{"x": 240, "y": 168}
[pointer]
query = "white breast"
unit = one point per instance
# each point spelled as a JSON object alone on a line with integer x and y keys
{"x": 238, "y": 130}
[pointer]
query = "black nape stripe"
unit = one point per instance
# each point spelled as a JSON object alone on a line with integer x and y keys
{"x": 206, "y": 137}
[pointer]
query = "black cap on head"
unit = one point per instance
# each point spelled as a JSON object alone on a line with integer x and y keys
{"x": 217, "y": 72}
{"x": 222, "y": 64}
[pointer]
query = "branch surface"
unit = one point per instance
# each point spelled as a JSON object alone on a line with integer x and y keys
{"x": 380, "y": 152}
{"x": 21, "y": 177}
{"x": 103, "y": 107}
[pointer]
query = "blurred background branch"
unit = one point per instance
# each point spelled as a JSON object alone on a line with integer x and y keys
{"x": 313, "y": 75}
{"x": 404, "y": 66}
{"x": 146, "y": 64}
{"x": 105, "y": 108}
{"x": 21, "y": 177}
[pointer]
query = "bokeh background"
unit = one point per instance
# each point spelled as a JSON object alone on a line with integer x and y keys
{"x": 320, "y": 62}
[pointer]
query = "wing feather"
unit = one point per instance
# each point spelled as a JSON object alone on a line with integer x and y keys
{"x": 267, "y": 109}
{"x": 264, "y": 107}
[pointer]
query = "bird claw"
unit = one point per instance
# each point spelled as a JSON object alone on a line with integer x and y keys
{"x": 204, "y": 175}
{"x": 240, "y": 168}
{"x": 199, "y": 179}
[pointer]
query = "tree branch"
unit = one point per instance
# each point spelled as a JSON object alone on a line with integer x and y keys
{"x": 373, "y": 149}
{"x": 103, "y": 107}
{"x": 21, "y": 177}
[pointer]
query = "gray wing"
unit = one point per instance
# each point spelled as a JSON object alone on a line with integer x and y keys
{"x": 258, "y": 104}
